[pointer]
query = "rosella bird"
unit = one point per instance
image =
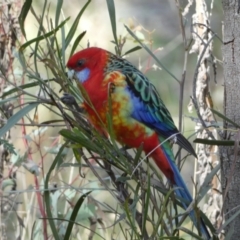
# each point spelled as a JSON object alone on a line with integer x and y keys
{"x": 139, "y": 117}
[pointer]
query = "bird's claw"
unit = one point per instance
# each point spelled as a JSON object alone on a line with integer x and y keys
{"x": 70, "y": 101}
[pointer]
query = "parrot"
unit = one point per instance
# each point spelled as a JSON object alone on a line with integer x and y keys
{"x": 109, "y": 83}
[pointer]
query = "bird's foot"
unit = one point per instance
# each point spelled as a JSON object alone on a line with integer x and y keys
{"x": 70, "y": 101}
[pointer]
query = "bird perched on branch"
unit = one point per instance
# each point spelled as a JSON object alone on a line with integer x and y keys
{"x": 113, "y": 86}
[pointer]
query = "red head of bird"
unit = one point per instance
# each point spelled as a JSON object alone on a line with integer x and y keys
{"x": 88, "y": 63}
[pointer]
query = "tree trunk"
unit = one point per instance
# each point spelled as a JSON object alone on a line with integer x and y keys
{"x": 208, "y": 155}
{"x": 230, "y": 161}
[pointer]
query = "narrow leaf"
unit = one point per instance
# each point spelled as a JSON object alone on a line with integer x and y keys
{"x": 2, "y": 101}
{"x": 25, "y": 86}
{"x": 24, "y": 12}
{"x": 47, "y": 193}
{"x": 44, "y": 36}
{"x": 16, "y": 117}
{"x": 147, "y": 201}
{"x": 81, "y": 139}
{"x": 76, "y": 42}
{"x": 230, "y": 232}
{"x": 77, "y": 156}
{"x": 73, "y": 29}
{"x": 58, "y": 11}
{"x": 225, "y": 118}
{"x": 112, "y": 15}
{"x": 74, "y": 215}
{"x": 214, "y": 142}
{"x": 192, "y": 234}
{"x": 132, "y": 50}
{"x": 229, "y": 220}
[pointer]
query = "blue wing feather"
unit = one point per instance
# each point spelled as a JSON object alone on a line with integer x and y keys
{"x": 148, "y": 106}
{"x": 144, "y": 114}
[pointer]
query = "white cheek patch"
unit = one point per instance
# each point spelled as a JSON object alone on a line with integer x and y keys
{"x": 83, "y": 75}
{"x": 70, "y": 74}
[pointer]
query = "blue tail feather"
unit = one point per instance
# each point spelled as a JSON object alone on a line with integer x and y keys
{"x": 182, "y": 190}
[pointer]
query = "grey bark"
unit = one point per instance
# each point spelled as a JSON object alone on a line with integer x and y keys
{"x": 230, "y": 160}
{"x": 208, "y": 155}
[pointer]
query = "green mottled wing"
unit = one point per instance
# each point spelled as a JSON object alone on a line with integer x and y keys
{"x": 148, "y": 106}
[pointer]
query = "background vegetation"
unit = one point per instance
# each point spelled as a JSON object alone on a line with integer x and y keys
{"x": 60, "y": 178}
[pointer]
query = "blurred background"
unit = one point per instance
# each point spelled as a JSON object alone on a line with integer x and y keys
{"x": 156, "y": 23}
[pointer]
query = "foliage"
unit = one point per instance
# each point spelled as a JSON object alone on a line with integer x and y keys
{"x": 70, "y": 193}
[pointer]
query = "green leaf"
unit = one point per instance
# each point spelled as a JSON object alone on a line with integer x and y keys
{"x": 225, "y": 118}
{"x": 207, "y": 222}
{"x": 214, "y": 142}
{"x": 76, "y": 42}
{"x": 147, "y": 201}
{"x": 44, "y": 36}
{"x": 191, "y": 233}
{"x": 58, "y": 11}
{"x": 163, "y": 210}
{"x": 132, "y": 50}
{"x": 112, "y": 15}
{"x": 74, "y": 215}
{"x": 230, "y": 232}
{"x": 73, "y": 29}
{"x": 16, "y": 117}
{"x": 25, "y": 86}
{"x": 78, "y": 137}
{"x": 77, "y": 155}
{"x": 138, "y": 156}
{"x": 24, "y": 12}
{"x": 2, "y": 101}
{"x": 61, "y": 54}
{"x": 229, "y": 220}
{"x": 130, "y": 211}
{"x": 47, "y": 193}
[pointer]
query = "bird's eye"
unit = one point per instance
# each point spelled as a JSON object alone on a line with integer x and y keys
{"x": 80, "y": 63}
